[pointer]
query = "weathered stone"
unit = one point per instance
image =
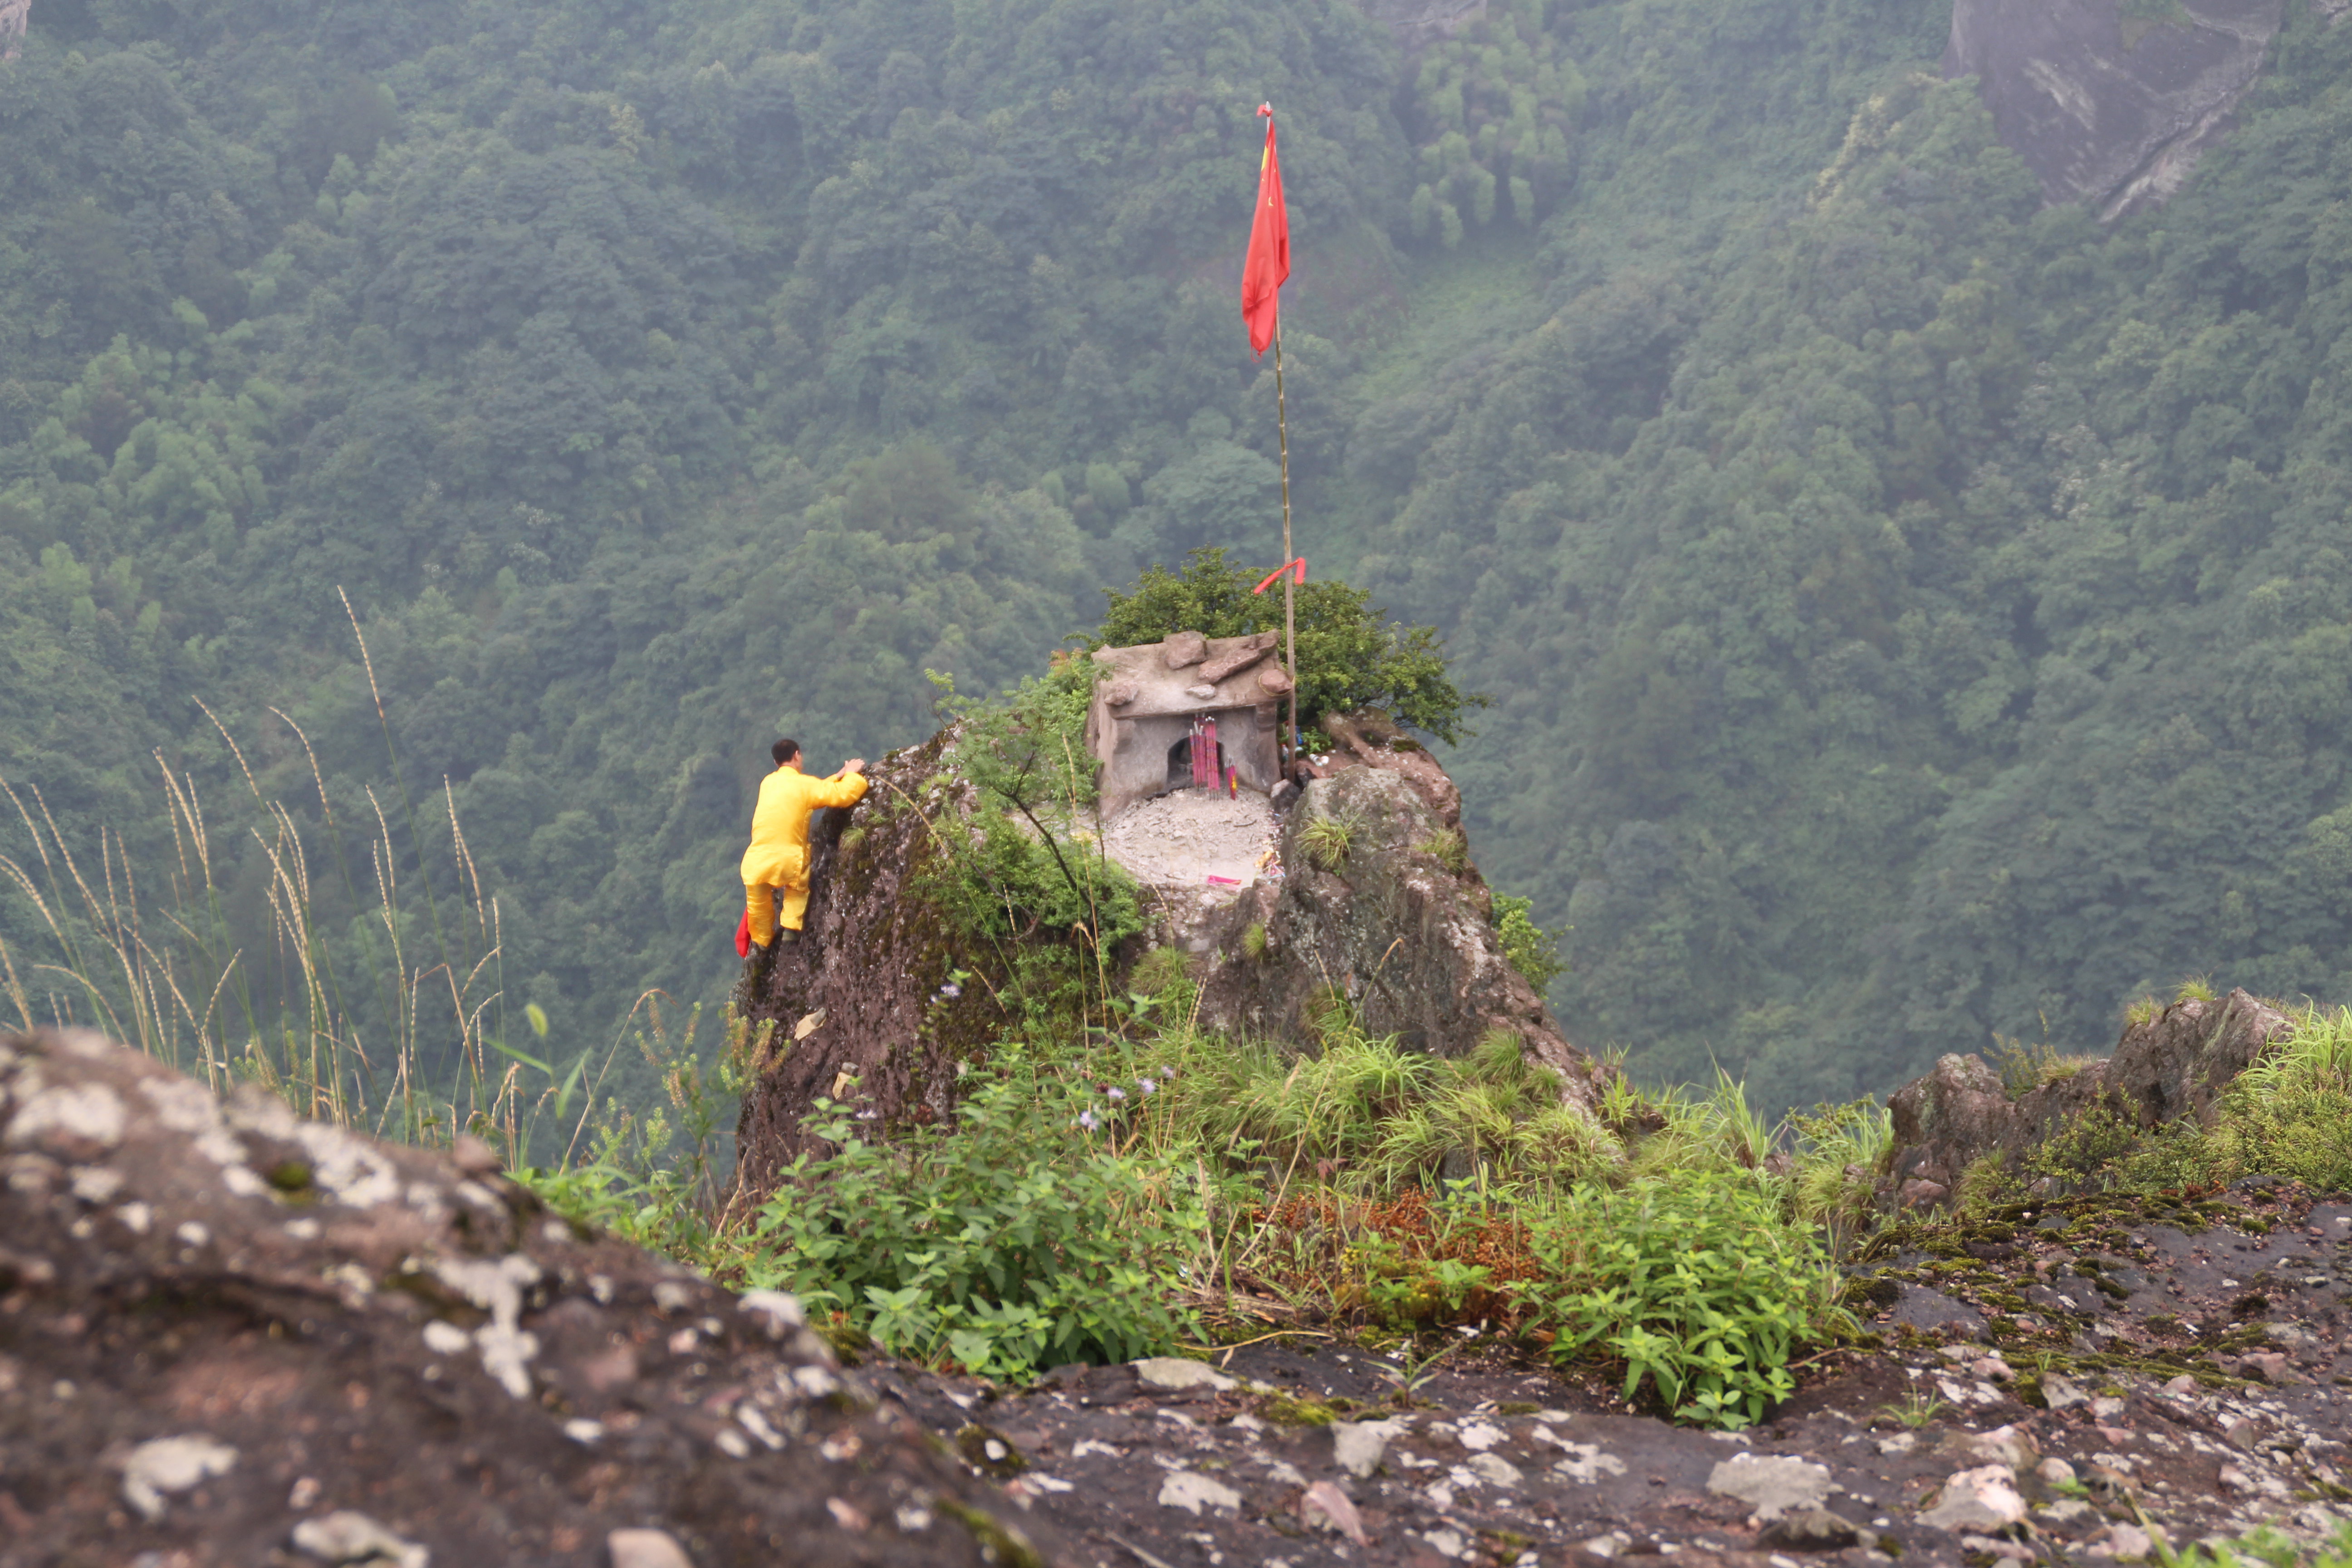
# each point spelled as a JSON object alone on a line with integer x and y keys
{"x": 1234, "y": 660}
{"x": 296, "y": 1324}
{"x": 1274, "y": 680}
{"x": 1773, "y": 1485}
{"x": 1324, "y": 1505}
{"x": 345, "y": 1536}
{"x": 1981, "y": 1499}
{"x": 1192, "y": 1492}
{"x": 1357, "y": 1446}
{"x": 1175, "y": 1374}
{"x": 164, "y": 1465}
{"x": 646, "y": 1549}
{"x": 1120, "y": 693}
{"x": 2105, "y": 106}
{"x": 1408, "y": 940}
{"x": 2062, "y": 1393}
{"x": 1182, "y": 649}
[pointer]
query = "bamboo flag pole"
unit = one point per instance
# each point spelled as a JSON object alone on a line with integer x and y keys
{"x": 1264, "y": 268}
{"x": 1289, "y": 577}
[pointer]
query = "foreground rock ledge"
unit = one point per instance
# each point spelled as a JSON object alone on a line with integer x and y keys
{"x": 228, "y": 1336}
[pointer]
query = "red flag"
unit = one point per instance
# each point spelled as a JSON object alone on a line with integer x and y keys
{"x": 1269, "y": 246}
{"x": 743, "y": 936}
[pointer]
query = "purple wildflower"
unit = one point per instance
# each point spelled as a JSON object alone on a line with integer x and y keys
{"x": 1146, "y": 1085}
{"x": 1116, "y": 1093}
{"x": 952, "y": 991}
{"x": 1086, "y": 1120}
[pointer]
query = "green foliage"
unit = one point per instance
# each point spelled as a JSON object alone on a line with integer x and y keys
{"x": 2289, "y": 1114}
{"x": 1009, "y": 1244}
{"x": 1450, "y": 849}
{"x": 1914, "y": 1411}
{"x": 1501, "y": 1115}
{"x": 2266, "y": 1546}
{"x": 1838, "y": 1150}
{"x": 1349, "y": 657}
{"x": 1495, "y": 107}
{"x": 1531, "y": 949}
{"x": 1327, "y": 841}
{"x": 1699, "y": 1286}
{"x": 1016, "y": 863}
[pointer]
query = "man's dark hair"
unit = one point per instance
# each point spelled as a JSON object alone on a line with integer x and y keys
{"x": 784, "y": 750}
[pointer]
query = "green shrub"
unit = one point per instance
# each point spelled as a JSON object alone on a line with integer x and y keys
{"x": 1719, "y": 1132}
{"x": 1839, "y": 1148}
{"x": 2083, "y": 1152}
{"x": 1502, "y": 1111}
{"x": 1011, "y": 1242}
{"x": 1531, "y": 949}
{"x": 1699, "y": 1286}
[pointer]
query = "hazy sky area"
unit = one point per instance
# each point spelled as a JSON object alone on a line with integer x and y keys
{"x": 1917, "y": 615}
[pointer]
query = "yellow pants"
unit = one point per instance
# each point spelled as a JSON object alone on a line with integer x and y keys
{"x": 786, "y": 879}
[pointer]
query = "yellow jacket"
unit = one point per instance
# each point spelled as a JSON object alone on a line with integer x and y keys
{"x": 780, "y": 823}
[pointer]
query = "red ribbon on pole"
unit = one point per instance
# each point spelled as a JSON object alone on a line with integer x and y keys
{"x": 1299, "y": 566}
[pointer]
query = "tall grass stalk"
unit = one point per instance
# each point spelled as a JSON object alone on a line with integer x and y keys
{"x": 152, "y": 957}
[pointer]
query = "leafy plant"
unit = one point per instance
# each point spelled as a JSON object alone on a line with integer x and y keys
{"x": 1698, "y": 1287}
{"x": 1915, "y": 1410}
{"x": 1531, "y": 949}
{"x": 1007, "y": 1244}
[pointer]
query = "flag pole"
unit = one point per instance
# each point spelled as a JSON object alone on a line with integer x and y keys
{"x": 1289, "y": 577}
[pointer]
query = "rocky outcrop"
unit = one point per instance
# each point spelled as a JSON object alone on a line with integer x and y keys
{"x": 1378, "y": 906}
{"x": 865, "y": 995}
{"x": 2176, "y": 1063}
{"x": 866, "y": 1009}
{"x": 2111, "y": 103}
{"x": 230, "y": 1336}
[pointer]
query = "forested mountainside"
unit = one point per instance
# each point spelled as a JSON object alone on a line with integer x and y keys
{"x": 1912, "y": 615}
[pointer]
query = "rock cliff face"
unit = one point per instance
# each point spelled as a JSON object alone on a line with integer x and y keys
{"x": 1399, "y": 925}
{"x": 231, "y": 1337}
{"x": 2111, "y": 103}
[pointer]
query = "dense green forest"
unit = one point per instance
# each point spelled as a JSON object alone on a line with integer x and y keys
{"x": 1912, "y": 616}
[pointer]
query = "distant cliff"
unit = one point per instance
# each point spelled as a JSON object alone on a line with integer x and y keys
{"x": 2112, "y": 104}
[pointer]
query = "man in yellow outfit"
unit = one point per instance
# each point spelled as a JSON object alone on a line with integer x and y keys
{"x": 777, "y": 863}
